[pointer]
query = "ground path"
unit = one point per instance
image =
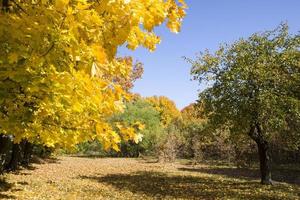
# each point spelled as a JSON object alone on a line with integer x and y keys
{"x": 122, "y": 178}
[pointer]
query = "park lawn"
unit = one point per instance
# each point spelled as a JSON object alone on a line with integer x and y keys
{"x": 125, "y": 178}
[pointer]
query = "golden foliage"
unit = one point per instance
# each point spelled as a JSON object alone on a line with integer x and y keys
{"x": 193, "y": 114}
{"x": 59, "y": 68}
{"x": 165, "y": 107}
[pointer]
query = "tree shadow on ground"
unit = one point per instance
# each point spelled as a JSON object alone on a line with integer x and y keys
{"x": 161, "y": 185}
{"x": 87, "y": 156}
{"x": 31, "y": 167}
{"x": 279, "y": 175}
{"x": 47, "y": 160}
{"x": 5, "y": 186}
{"x": 148, "y": 160}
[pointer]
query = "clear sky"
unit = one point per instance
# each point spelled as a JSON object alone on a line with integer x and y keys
{"x": 207, "y": 24}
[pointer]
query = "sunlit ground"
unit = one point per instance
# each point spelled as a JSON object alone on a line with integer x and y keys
{"x": 123, "y": 178}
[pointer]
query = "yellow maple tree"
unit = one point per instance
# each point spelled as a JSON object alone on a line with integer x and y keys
{"x": 58, "y": 64}
{"x": 166, "y": 108}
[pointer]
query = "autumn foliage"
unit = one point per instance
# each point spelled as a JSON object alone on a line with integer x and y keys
{"x": 165, "y": 107}
{"x": 60, "y": 78}
{"x": 65, "y": 89}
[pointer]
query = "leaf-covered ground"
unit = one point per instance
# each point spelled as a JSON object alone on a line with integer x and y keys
{"x": 118, "y": 178}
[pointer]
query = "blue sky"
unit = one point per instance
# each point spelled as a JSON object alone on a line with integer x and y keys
{"x": 207, "y": 24}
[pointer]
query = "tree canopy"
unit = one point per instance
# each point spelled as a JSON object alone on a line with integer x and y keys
{"x": 166, "y": 108}
{"x": 141, "y": 111}
{"x": 254, "y": 86}
{"x": 253, "y": 80}
{"x": 60, "y": 78}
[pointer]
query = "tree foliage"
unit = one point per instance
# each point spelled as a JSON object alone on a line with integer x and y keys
{"x": 254, "y": 87}
{"x": 255, "y": 80}
{"x": 193, "y": 113}
{"x": 60, "y": 77}
{"x": 166, "y": 108}
{"x": 142, "y": 112}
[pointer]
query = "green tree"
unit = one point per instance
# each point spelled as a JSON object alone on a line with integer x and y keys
{"x": 143, "y": 112}
{"x": 254, "y": 89}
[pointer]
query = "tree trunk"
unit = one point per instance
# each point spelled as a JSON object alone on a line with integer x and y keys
{"x": 16, "y": 157}
{"x": 27, "y": 153}
{"x": 4, "y": 142}
{"x": 5, "y": 5}
{"x": 264, "y": 161}
{"x": 263, "y": 152}
{"x": 5, "y": 151}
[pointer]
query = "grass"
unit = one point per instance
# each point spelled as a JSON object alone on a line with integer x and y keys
{"x": 124, "y": 178}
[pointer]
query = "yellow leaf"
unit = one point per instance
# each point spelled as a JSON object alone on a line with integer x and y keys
{"x": 116, "y": 147}
{"x": 61, "y": 4}
{"x": 99, "y": 54}
{"x": 12, "y": 58}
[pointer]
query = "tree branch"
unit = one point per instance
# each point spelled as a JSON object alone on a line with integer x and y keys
{"x": 22, "y": 9}
{"x": 53, "y": 43}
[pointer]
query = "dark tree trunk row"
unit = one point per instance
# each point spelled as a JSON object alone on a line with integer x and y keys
{"x": 16, "y": 157}
{"x": 13, "y": 155}
{"x": 27, "y": 153}
{"x": 263, "y": 151}
{"x": 5, "y": 5}
{"x": 5, "y": 151}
